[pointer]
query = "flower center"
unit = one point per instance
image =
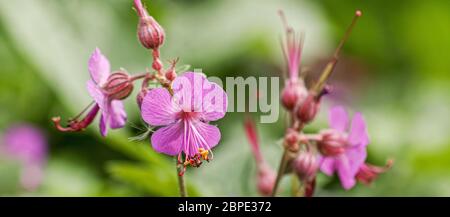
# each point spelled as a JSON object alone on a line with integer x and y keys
{"x": 188, "y": 115}
{"x": 194, "y": 161}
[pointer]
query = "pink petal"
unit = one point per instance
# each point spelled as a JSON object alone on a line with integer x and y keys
{"x": 215, "y": 102}
{"x": 95, "y": 93}
{"x": 195, "y": 93}
{"x": 344, "y": 172}
{"x": 327, "y": 165}
{"x": 158, "y": 109}
{"x": 188, "y": 91}
{"x": 338, "y": 118}
{"x": 117, "y": 115}
{"x": 113, "y": 116}
{"x": 294, "y": 62}
{"x": 356, "y": 156}
{"x": 358, "y": 133}
{"x": 168, "y": 140}
{"x": 197, "y": 135}
{"x": 99, "y": 67}
{"x": 207, "y": 133}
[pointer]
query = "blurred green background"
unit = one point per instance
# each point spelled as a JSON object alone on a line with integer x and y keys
{"x": 395, "y": 67}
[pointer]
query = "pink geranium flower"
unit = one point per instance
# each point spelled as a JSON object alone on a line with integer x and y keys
{"x": 112, "y": 111}
{"x": 184, "y": 117}
{"x": 28, "y": 145}
{"x": 348, "y": 161}
{"x": 107, "y": 90}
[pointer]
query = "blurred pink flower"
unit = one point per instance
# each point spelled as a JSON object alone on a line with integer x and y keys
{"x": 28, "y": 145}
{"x": 266, "y": 175}
{"x": 294, "y": 92}
{"x": 112, "y": 111}
{"x": 184, "y": 117}
{"x": 347, "y": 163}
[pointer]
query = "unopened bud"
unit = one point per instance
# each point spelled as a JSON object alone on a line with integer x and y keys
{"x": 332, "y": 143}
{"x": 293, "y": 93}
{"x": 266, "y": 180}
{"x": 292, "y": 140}
{"x": 150, "y": 33}
{"x": 171, "y": 74}
{"x": 118, "y": 86}
{"x": 307, "y": 111}
{"x": 306, "y": 165}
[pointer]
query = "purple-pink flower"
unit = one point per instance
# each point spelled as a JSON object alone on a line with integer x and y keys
{"x": 347, "y": 162}
{"x": 107, "y": 90}
{"x": 112, "y": 111}
{"x": 28, "y": 145}
{"x": 183, "y": 117}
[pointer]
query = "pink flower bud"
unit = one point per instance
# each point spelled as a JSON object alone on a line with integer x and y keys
{"x": 307, "y": 111}
{"x": 333, "y": 142}
{"x": 292, "y": 140}
{"x": 306, "y": 165}
{"x": 118, "y": 86}
{"x": 293, "y": 93}
{"x": 150, "y": 33}
{"x": 171, "y": 74}
{"x": 266, "y": 180}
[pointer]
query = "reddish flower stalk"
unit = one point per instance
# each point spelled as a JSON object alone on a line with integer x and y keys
{"x": 252, "y": 136}
{"x": 265, "y": 175}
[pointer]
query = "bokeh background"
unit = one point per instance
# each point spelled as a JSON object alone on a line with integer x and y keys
{"x": 395, "y": 69}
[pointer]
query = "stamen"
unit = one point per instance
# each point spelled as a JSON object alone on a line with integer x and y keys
{"x": 284, "y": 21}
{"x": 75, "y": 125}
{"x": 82, "y": 112}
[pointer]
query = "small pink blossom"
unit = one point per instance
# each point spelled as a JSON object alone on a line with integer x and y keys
{"x": 184, "y": 117}
{"x": 28, "y": 145}
{"x": 107, "y": 90}
{"x": 112, "y": 111}
{"x": 348, "y": 163}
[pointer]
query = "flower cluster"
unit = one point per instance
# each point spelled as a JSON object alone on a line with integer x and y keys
{"x": 341, "y": 149}
{"x": 182, "y": 106}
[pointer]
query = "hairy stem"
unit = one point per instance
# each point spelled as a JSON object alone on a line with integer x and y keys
{"x": 181, "y": 183}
